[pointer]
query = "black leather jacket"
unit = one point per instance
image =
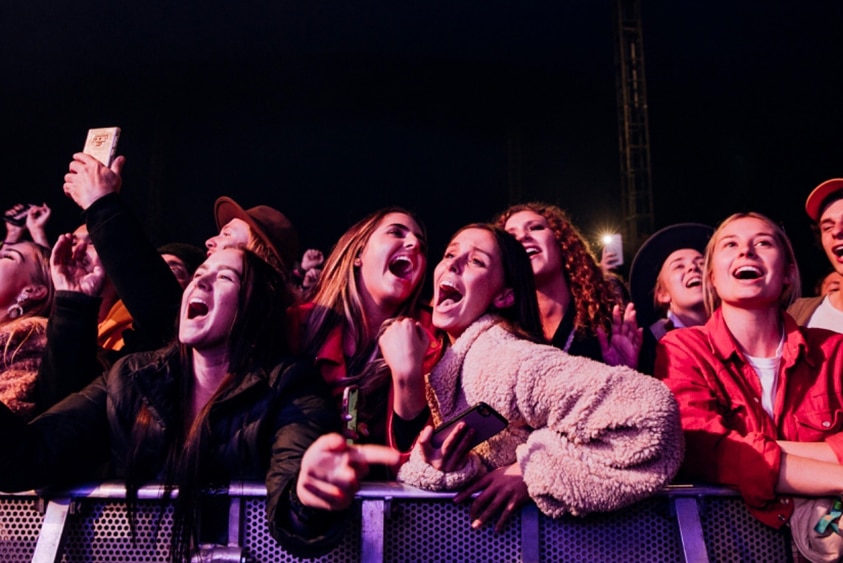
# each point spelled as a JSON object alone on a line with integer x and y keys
{"x": 260, "y": 430}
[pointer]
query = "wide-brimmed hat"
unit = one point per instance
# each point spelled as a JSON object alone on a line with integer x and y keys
{"x": 270, "y": 225}
{"x": 648, "y": 261}
{"x": 816, "y": 199}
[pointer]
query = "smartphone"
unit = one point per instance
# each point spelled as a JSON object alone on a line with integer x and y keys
{"x": 613, "y": 244}
{"x": 349, "y": 413}
{"x": 18, "y": 218}
{"x": 101, "y": 143}
{"x": 483, "y": 419}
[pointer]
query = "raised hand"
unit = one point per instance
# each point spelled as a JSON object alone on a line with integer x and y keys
{"x": 76, "y": 269}
{"x": 625, "y": 344}
{"x": 312, "y": 258}
{"x": 403, "y": 344}
{"x": 36, "y": 221}
{"x": 88, "y": 179}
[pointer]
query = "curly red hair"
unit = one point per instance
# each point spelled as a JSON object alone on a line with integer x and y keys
{"x": 593, "y": 295}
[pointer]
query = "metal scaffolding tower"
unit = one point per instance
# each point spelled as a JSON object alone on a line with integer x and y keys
{"x": 634, "y": 136}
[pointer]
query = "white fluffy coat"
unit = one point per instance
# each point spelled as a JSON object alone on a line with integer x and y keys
{"x": 588, "y": 437}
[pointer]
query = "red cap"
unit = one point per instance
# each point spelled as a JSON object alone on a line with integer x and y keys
{"x": 814, "y": 203}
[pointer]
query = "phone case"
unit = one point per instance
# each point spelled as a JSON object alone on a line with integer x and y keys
{"x": 101, "y": 143}
{"x": 485, "y": 421}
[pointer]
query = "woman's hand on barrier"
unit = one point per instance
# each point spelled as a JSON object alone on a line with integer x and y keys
{"x": 451, "y": 453}
{"x": 502, "y": 490}
{"x": 331, "y": 470}
{"x": 625, "y": 344}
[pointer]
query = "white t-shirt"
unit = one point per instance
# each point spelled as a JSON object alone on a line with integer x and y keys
{"x": 827, "y": 316}
{"x": 768, "y": 374}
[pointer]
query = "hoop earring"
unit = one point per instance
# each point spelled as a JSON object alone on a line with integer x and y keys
{"x": 15, "y": 311}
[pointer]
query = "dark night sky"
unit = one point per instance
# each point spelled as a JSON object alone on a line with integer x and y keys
{"x": 328, "y": 110}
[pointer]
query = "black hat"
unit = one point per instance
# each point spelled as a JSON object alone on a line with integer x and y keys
{"x": 648, "y": 261}
{"x": 191, "y": 255}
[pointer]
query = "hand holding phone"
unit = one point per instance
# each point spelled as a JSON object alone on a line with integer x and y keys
{"x": 612, "y": 256}
{"x": 483, "y": 419}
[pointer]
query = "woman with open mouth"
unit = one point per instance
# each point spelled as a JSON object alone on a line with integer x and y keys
{"x": 582, "y": 436}
{"x": 373, "y": 344}
{"x": 580, "y": 310}
{"x": 226, "y": 402}
{"x": 761, "y": 398}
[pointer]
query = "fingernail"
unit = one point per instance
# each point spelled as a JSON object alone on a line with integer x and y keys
{"x": 476, "y": 524}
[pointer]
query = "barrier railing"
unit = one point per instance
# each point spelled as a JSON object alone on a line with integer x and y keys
{"x": 393, "y": 522}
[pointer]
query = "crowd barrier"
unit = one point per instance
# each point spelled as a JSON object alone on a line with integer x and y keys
{"x": 395, "y": 523}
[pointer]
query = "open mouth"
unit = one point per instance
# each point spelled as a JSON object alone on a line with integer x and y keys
{"x": 693, "y": 282}
{"x": 531, "y": 251}
{"x": 196, "y": 308}
{"x": 748, "y": 273}
{"x": 838, "y": 251}
{"x": 401, "y": 266}
{"x": 448, "y": 294}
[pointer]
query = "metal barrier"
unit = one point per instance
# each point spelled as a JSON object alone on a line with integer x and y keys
{"x": 394, "y": 522}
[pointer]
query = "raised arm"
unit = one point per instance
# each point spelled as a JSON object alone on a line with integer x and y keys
{"x": 142, "y": 279}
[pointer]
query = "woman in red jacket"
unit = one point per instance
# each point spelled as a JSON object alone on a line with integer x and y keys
{"x": 761, "y": 398}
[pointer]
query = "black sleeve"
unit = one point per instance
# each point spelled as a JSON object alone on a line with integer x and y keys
{"x": 405, "y": 432}
{"x": 65, "y": 445}
{"x": 69, "y": 361}
{"x": 307, "y": 412}
{"x": 141, "y": 277}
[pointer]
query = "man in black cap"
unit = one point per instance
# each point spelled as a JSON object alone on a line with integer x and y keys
{"x": 825, "y": 207}
{"x": 665, "y": 282}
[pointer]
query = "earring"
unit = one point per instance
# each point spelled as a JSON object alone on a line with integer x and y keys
{"x": 358, "y": 262}
{"x": 16, "y": 310}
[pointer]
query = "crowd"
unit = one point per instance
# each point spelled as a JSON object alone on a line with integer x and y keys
{"x": 250, "y": 360}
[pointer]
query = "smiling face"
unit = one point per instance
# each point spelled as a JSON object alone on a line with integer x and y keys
{"x": 679, "y": 285}
{"x": 534, "y": 233}
{"x": 18, "y": 270}
{"x": 234, "y": 233}
{"x": 468, "y": 281}
{"x": 392, "y": 263}
{"x": 211, "y": 301}
{"x": 831, "y": 234}
{"x": 749, "y": 267}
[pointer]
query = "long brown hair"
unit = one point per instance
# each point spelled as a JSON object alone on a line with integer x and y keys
{"x": 592, "y": 294}
{"x": 522, "y": 318}
{"x": 338, "y": 302}
{"x": 256, "y": 341}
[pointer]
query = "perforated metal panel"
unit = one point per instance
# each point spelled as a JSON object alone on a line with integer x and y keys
{"x": 99, "y": 532}
{"x": 644, "y": 532}
{"x": 263, "y": 548}
{"x": 20, "y": 523}
{"x": 733, "y": 534}
{"x": 441, "y": 531}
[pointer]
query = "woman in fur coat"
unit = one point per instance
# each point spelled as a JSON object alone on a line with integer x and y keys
{"x": 582, "y": 436}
